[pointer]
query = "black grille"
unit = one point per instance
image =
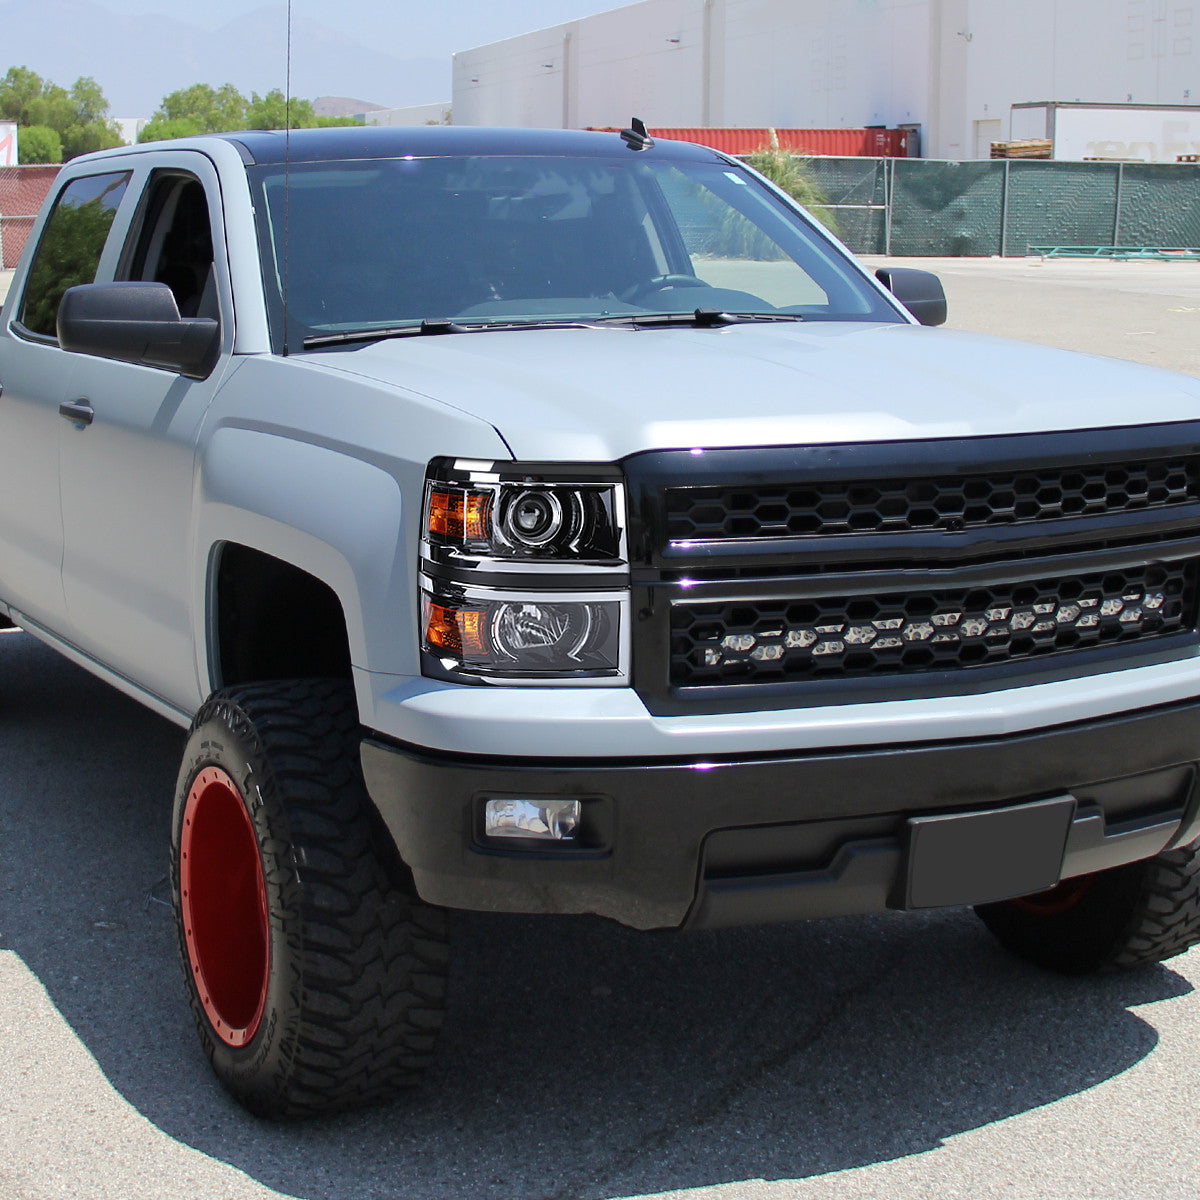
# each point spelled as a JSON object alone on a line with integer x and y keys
{"x": 951, "y": 502}
{"x": 781, "y": 640}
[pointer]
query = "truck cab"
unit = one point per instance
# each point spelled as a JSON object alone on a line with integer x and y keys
{"x": 560, "y": 522}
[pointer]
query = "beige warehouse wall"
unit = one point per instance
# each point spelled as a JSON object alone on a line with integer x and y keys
{"x": 946, "y": 65}
{"x": 707, "y": 62}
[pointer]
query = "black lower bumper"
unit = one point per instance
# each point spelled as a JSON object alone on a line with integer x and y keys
{"x": 665, "y": 842}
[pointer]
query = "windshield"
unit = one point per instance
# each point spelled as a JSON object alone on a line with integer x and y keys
{"x": 502, "y": 240}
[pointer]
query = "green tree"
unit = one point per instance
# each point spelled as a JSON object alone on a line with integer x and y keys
{"x": 163, "y": 129}
{"x": 78, "y": 116}
{"x": 96, "y": 135}
{"x": 39, "y": 144}
{"x": 18, "y": 89}
{"x": 214, "y": 110}
{"x": 272, "y": 112}
{"x": 51, "y": 107}
{"x": 198, "y": 109}
{"x": 88, "y": 127}
{"x": 87, "y": 101}
{"x": 204, "y": 109}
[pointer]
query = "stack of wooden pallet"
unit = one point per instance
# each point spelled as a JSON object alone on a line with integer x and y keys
{"x": 1027, "y": 148}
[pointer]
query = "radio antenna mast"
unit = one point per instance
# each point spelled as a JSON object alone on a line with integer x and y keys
{"x": 287, "y": 176}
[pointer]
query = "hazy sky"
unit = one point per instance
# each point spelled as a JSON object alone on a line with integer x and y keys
{"x": 388, "y": 52}
{"x": 413, "y": 28}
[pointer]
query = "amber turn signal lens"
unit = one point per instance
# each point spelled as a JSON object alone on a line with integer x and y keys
{"x": 456, "y": 631}
{"x": 458, "y": 515}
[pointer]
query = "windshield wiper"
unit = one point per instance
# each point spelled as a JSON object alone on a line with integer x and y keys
{"x": 426, "y": 328}
{"x": 702, "y": 318}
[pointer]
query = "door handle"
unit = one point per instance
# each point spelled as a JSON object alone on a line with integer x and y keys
{"x": 79, "y": 411}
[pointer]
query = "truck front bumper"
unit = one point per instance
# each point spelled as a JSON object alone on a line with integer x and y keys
{"x": 665, "y": 842}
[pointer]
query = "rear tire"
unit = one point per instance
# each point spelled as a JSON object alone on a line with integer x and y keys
{"x": 1124, "y": 917}
{"x": 316, "y": 976}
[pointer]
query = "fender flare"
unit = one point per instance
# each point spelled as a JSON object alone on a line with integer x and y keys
{"x": 327, "y": 512}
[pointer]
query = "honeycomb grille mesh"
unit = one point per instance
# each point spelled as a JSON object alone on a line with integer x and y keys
{"x": 780, "y": 640}
{"x": 912, "y": 505}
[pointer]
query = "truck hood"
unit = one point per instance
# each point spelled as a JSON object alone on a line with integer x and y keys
{"x": 601, "y": 394}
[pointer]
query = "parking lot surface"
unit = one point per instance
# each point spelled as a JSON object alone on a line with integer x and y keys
{"x": 895, "y": 1057}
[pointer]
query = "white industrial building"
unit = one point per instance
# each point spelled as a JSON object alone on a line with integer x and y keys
{"x": 952, "y": 68}
{"x": 417, "y": 114}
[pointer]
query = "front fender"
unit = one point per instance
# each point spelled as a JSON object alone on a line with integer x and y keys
{"x": 325, "y": 471}
{"x": 338, "y": 518}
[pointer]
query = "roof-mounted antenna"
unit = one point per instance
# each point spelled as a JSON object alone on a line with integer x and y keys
{"x": 636, "y": 137}
{"x": 287, "y": 176}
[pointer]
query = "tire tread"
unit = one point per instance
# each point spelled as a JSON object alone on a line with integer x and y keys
{"x": 1167, "y": 921}
{"x": 1130, "y": 916}
{"x": 374, "y": 956}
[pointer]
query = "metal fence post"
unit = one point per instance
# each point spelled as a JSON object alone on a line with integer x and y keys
{"x": 1004, "y": 209}
{"x": 889, "y": 181}
{"x": 1117, "y": 214}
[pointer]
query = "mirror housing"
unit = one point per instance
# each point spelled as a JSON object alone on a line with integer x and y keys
{"x": 920, "y": 292}
{"x": 137, "y": 323}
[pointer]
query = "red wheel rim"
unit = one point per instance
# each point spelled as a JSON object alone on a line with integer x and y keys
{"x": 1059, "y": 899}
{"x": 224, "y": 904}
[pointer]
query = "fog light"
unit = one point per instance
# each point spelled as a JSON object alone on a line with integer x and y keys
{"x": 548, "y": 820}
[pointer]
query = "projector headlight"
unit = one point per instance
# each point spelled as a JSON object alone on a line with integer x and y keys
{"x": 519, "y": 516}
{"x": 524, "y": 574}
{"x": 499, "y": 634}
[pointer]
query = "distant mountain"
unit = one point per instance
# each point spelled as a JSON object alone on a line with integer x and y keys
{"x": 342, "y": 106}
{"x": 138, "y": 60}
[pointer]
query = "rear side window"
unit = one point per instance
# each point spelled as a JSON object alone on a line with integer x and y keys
{"x": 70, "y": 247}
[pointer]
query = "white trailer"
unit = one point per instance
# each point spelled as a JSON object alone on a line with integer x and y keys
{"x": 1121, "y": 132}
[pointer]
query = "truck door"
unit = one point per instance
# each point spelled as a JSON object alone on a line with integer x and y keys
{"x": 34, "y": 376}
{"x": 128, "y": 464}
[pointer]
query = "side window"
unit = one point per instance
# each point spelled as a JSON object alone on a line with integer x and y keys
{"x": 730, "y": 250}
{"x": 70, "y": 247}
{"x": 174, "y": 245}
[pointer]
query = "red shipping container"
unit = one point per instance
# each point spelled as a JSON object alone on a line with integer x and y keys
{"x": 842, "y": 143}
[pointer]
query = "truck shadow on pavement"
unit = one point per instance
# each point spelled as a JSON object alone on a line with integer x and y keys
{"x": 579, "y": 1059}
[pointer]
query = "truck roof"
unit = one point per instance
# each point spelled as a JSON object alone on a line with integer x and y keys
{"x": 356, "y": 142}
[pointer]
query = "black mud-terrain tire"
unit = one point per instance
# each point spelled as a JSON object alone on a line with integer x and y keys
{"x": 316, "y": 976}
{"x": 1124, "y": 917}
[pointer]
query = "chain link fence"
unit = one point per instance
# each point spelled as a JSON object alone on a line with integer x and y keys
{"x": 927, "y": 207}
{"x": 857, "y": 189}
{"x": 22, "y": 190}
{"x": 908, "y": 206}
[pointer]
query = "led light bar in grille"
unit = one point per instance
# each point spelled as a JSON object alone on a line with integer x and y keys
{"x": 750, "y": 641}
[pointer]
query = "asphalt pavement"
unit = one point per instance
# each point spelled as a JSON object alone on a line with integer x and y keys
{"x": 903, "y": 1057}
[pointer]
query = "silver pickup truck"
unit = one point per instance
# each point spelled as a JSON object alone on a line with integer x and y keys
{"x": 558, "y": 522}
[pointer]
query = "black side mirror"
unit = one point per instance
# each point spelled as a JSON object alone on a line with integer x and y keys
{"x": 137, "y": 323}
{"x": 919, "y": 291}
